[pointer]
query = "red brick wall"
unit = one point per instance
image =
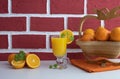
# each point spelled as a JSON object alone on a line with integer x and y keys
{"x": 27, "y": 24}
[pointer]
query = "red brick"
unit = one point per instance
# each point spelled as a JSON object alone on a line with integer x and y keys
{"x": 45, "y": 55}
{"x": 74, "y": 23}
{"x": 50, "y": 56}
{"x": 3, "y": 41}
{"x": 29, "y": 6}
{"x": 67, "y": 6}
{"x": 12, "y": 23}
{"x": 91, "y": 23}
{"x": 99, "y": 4}
{"x": 3, "y": 6}
{"x": 28, "y": 41}
{"x": 47, "y": 24}
{"x": 110, "y": 24}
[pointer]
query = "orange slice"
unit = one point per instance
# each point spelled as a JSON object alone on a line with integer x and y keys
{"x": 32, "y": 61}
{"x": 67, "y": 34}
{"x": 10, "y": 58}
{"x": 17, "y": 64}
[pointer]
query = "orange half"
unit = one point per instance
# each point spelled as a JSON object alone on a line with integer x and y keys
{"x": 18, "y": 64}
{"x": 32, "y": 61}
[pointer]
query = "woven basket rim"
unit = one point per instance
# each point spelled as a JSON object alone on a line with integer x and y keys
{"x": 77, "y": 40}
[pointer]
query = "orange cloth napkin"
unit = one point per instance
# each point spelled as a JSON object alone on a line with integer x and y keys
{"x": 95, "y": 66}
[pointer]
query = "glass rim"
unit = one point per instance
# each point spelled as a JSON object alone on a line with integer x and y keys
{"x": 55, "y": 36}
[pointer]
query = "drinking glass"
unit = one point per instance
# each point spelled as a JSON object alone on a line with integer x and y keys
{"x": 59, "y": 46}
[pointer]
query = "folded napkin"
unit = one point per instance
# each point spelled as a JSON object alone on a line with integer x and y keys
{"x": 97, "y": 65}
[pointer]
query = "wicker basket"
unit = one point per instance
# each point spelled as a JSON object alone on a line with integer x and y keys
{"x": 107, "y": 49}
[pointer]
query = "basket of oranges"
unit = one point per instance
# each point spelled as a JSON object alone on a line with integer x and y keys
{"x": 100, "y": 42}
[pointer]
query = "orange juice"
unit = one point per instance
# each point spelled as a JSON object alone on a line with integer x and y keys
{"x": 59, "y": 46}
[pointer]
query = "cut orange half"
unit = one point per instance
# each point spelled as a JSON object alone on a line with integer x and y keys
{"x": 32, "y": 61}
{"x": 17, "y": 64}
{"x": 67, "y": 34}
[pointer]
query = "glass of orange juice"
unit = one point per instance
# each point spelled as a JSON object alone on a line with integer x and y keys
{"x": 59, "y": 46}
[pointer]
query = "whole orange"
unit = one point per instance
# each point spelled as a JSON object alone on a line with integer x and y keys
{"x": 11, "y": 57}
{"x": 87, "y": 37}
{"x": 102, "y": 34}
{"x": 89, "y": 31}
{"x": 115, "y": 34}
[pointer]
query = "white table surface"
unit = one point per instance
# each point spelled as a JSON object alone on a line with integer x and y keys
{"x": 43, "y": 72}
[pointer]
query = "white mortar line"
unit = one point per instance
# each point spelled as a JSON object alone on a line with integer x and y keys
{"x": 47, "y": 42}
{"x": 23, "y": 32}
{"x": 42, "y": 15}
{"x": 36, "y": 33}
{"x": 33, "y": 33}
{"x": 102, "y": 23}
{"x": 85, "y": 7}
{"x": 9, "y": 6}
{"x": 9, "y": 41}
{"x": 26, "y": 50}
{"x": 4, "y": 33}
{"x": 76, "y": 33}
{"x": 74, "y": 50}
{"x": 27, "y": 24}
{"x": 37, "y": 50}
{"x": 65, "y": 22}
{"x": 48, "y": 7}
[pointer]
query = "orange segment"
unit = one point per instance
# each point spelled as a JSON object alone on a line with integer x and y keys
{"x": 17, "y": 64}
{"x": 32, "y": 61}
{"x": 11, "y": 57}
{"x": 67, "y": 34}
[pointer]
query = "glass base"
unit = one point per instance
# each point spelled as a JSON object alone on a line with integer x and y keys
{"x": 62, "y": 62}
